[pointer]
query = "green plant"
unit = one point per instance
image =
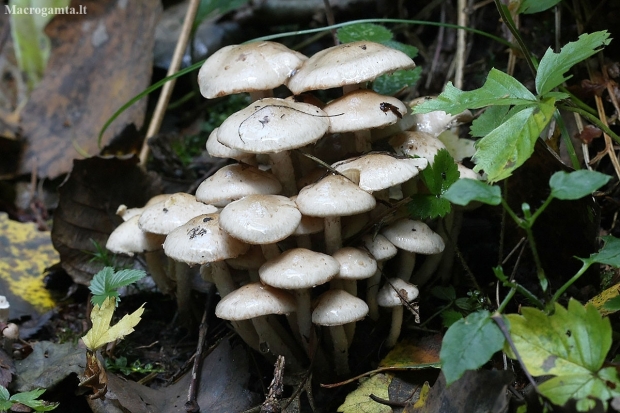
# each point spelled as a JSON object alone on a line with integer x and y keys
{"x": 101, "y": 255}
{"x": 121, "y": 364}
{"x": 106, "y": 283}
{"x": 28, "y": 398}
{"x": 568, "y": 343}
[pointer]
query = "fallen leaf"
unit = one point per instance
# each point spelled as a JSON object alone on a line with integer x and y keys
{"x": 25, "y": 252}
{"x": 478, "y": 391}
{"x": 99, "y": 60}
{"x": 359, "y": 399}
{"x": 48, "y": 365}
{"x": 421, "y": 354}
{"x": 599, "y": 301}
{"x": 101, "y": 332}
{"x": 87, "y": 205}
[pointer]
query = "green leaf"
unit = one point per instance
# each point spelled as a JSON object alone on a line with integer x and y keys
{"x": 359, "y": 401}
{"x": 553, "y": 66}
{"x": 577, "y": 184}
{"x": 572, "y": 345}
{"x": 409, "y": 50}
{"x": 106, "y": 283}
{"x": 609, "y": 254}
{"x": 441, "y": 174}
{"x": 613, "y": 304}
{"x": 492, "y": 118}
{"x": 535, "y": 6}
{"x": 364, "y": 31}
{"x": 449, "y": 317}
{"x": 444, "y": 293}
{"x": 207, "y": 7}
{"x": 423, "y": 206}
{"x": 29, "y": 398}
{"x": 468, "y": 344}
{"x": 464, "y": 191}
{"x": 5, "y": 403}
{"x": 509, "y": 145}
{"x": 498, "y": 89}
{"x": 389, "y": 84}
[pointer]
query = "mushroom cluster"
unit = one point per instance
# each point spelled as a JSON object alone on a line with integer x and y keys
{"x": 272, "y": 236}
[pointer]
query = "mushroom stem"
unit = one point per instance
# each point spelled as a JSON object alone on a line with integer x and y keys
{"x": 183, "y": 293}
{"x": 406, "y": 264}
{"x": 362, "y": 141}
{"x": 372, "y": 287}
{"x": 397, "y": 321}
{"x": 333, "y": 236}
{"x": 155, "y": 263}
{"x": 304, "y": 316}
{"x": 271, "y": 342}
{"x": 449, "y": 228}
{"x": 221, "y": 278}
{"x": 270, "y": 251}
{"x": 282, "y": 168}
{"x": 341, "y": 349}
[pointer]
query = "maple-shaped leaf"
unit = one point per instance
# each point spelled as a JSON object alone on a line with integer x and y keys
{"x": 101, "y": 332}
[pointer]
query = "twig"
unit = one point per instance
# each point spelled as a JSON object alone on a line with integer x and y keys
{"x": 392, "y": 403}
{"x": 166, "y": 91}
{"x": 460, "y": 44}
{"x": 329, "y": 14}
{"x": 272, "y": 402}
{"x": 192, "y": 405}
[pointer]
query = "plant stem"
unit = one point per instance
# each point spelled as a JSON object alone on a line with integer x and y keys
{"x": 509, "y": 23}
{"x": 592, "y": 119}
{"x": 506, "y": 300}
{"x": 568, "y": 283}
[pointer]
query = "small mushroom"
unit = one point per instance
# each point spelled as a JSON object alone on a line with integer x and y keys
{"x": 392, "y": 295}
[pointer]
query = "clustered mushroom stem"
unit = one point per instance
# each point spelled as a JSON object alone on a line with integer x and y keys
{"x": 341, "y": 349}
{"x": 270, "y": 251}
{"x": 268, "y": 335}
{"x": 372, "y": 287}
{"x": 155, "y": 263}
{"x": 362, "y": 141}
{"x": 261, "y": 94}
{"x": 397, "y": 320}
{"x": 183, "y": 290}
{"x": 333, "y": 236}
{"x": 406, "y": 264}
{"x": 282, "y": 168}
{"x": 304, "y": 316}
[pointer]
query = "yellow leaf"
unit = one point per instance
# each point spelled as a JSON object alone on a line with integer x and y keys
{"x": 424, "y": 392}
{"x": 102, "y": 333}
{"x": 25, "y": 252}
{"x": 359, "y": 401}
{"x": 600, "y": 300}
{"x": 421, "y": 354}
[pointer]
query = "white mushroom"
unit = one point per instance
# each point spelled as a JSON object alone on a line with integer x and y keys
{"x": 392, "y": 295}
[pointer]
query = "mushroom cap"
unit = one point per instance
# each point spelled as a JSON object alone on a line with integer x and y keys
{"x": 252, "y": 259}
{"x": 338, "y": 307}
{"x": 347, "y": 64}
{"x": 129, "y": 239}
{"x": 377, "y": 171}
{"x": 298, "y": 268}
{"x": 413, "y": 236}
{"x": 254, "y": 300}
{"x": 363, "y": 109}
{"x": 163, "y": 217}
{"x": 235, "y": 181}
{"x": 422, "y": 144}
{"x": 466, "y": 173}
{"x": 247, "y": 68}
{"x": 201, "y": 240}
{"x": 217, "y": 150}
{"x": 273, "y": 125}
{"x": 308, "y": 225}
{"x": 334, "y": 195}
{"x": 379, "y": 247}
{"x": 260, "y": 219}
{"x": 437, "y": 121}
{"x": 388, "y": 297}
{"x": 355, "y": 264}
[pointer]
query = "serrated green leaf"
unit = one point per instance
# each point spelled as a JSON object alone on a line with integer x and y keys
{"x": 609, "y": 254}
{"x": 409, "y": 50}
{"x": 439, "y": 175}
{"x": 389, "y": 84}
{"x": 553, "y": 66}
{"x": 359, "y": 399}
{"x": 444, "y": 293}
{"x": 107, "y": 282}
{"x": 123, "y": 278}
{"x": 424, "y": 206}
{"x": 509, "y": 145}
{"x": 464, "y": 191}
{"x": 535, "y": 6}
{"x": 364, "y": 31}
{"x": 30, "y": 399}
{"x": 498, "y": 89}
{"x": 468, "y": 344}
{"x": 577, "y": 184}
{"x": 449, "y": 317}
{"x": 464, "y": 304}
{"x": 492, "y": 118}
{"x": 571, "y": 344}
